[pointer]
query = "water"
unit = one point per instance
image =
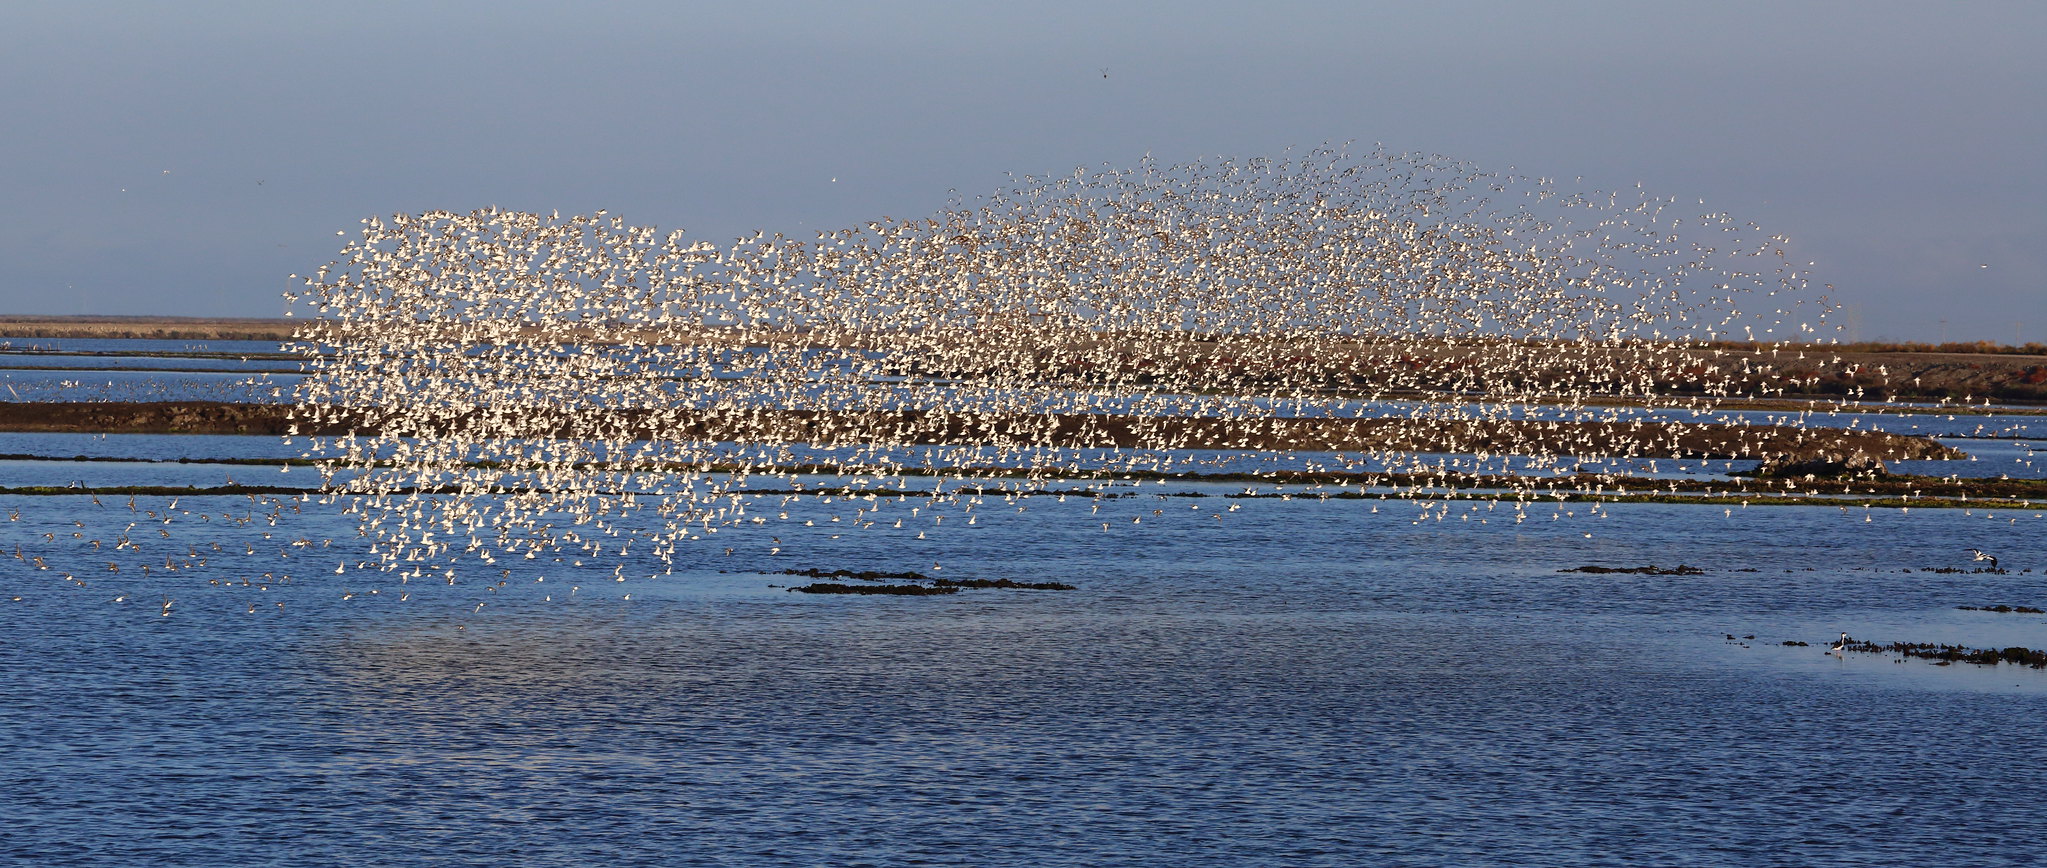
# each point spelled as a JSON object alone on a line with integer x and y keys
{"x": 136, "y": 346}
{"x": 146, "y": 384}
{"x": 1292, "y": 682}
{"x": 1303, "y": 682}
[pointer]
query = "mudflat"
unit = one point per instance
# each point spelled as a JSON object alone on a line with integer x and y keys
{"x": 1588, "y": 439}
{"x": 1796, "y": 375}
{"x": 163, "y": 328}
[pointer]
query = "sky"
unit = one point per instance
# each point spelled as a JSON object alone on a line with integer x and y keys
{"x": 184, "y": 158}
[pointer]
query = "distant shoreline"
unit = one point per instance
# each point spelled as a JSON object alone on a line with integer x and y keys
{"x": 161, "y": 328}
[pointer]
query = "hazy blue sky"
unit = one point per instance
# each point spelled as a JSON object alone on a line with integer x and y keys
{"x": 182, "y": 158}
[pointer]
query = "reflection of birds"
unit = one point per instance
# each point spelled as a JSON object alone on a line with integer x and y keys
{"x": 1980, "y": 555}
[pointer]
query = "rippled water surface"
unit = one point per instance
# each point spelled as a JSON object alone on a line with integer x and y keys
{"x": 1234, "y": 682}
{"x": 1299, "y": 683}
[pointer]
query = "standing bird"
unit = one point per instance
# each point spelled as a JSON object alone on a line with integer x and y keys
{"x": 1839, "y": 646}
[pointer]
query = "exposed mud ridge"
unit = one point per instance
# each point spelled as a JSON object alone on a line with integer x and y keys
{"x": 862, "y": 575}
{"x": 2004, "y": 609}
{"x": 1943, "y": 655}
{"x": 156, "y": 417}
{"x": 1588, "y": 439}
{"x": 941, "y": 586}
{"x": 1010, "y": 584}
{"x": 889, "y": 590}
{"x": 173, "y": 328}
{"x": 1873, "y": 371}
{"x": 1651, "y": 570}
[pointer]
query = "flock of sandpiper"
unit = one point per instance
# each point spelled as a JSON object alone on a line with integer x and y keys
{"x": 579, "y": 391}
{"x": 540, "y": 383}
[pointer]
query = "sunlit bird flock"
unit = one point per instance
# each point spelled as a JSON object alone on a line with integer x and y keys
{"x": 528, "y": 386}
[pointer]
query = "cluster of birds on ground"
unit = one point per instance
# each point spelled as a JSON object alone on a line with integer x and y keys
{"x": 523, "y": 383}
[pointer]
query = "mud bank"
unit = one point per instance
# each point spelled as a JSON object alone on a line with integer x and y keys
{"x": 163, "y": 328}
{"x": 1584, "y": 439}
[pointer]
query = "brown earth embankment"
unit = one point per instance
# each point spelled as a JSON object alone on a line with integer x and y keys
{"x": 1587, "y": 439}
{"x": 160, "y": 328}
{"x": 1872, "y": 372}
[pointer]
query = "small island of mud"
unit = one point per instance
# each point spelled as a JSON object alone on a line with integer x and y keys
{"x": 930, "y": 584}
{"x": 864, "y": 590}
{"x": 1943, "y": 654}
{"x": 1651, "y": 570}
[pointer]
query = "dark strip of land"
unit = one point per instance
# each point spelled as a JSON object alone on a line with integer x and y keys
{"x": 1964, "y": 372}
{"x": 1586, "y": 439}
{"x": 1448, "y": 492}
{"x": 164, "y": 328}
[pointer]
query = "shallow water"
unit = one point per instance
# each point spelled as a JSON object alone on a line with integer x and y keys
{"x": 150, "y": 447}
{"x": 1988, "y": 458}
{"x": 139, "y": 384}
{"x": 1289, "y": 682}
{"x": 1301, "y": 682}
